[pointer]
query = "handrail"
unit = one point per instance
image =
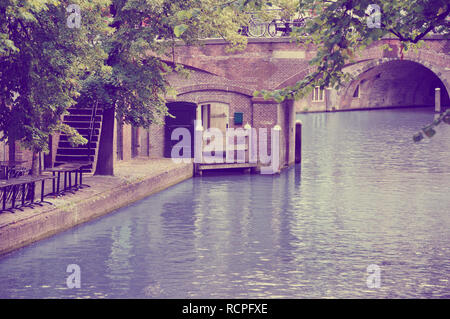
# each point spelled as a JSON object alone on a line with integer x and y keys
{"x": 91, "y": 128}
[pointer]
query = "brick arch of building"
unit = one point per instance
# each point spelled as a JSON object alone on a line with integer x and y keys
{"x": 257, "y": 112}
{"x": 238, "y": 99}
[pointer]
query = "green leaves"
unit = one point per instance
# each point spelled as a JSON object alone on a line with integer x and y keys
{"x": 339, "y": 30}
{"x": 73, "y": 136}
{"x": 429, "y": 130}
{"x": 45, "y": 63}
{"x": 180, "y": 29}
{"x": 278, "y": 96}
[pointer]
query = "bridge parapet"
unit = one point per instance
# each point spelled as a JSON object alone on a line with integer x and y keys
{"x": 270, "y": 63}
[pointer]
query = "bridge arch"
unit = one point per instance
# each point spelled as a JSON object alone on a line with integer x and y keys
{"x": 215, "y": 87}
{"x": 391, "y": 82}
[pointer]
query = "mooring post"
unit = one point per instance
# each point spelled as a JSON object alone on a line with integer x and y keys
{"x": 437, "y": 100}
{"x": 298, "y": 141}
{"x": 198, "y": 147}
{"x": 248, "y": 130}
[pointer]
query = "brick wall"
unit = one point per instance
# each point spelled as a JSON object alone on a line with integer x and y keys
{"x": 269, "y": 63}
{"x": 156, "y": 141}
{"x": 266, "y": 115}
{"x": 236, "y": 101}
{"x": 4, "y": 151}
{"x": 126, "y": 142}
{"x": 256, "y": 111}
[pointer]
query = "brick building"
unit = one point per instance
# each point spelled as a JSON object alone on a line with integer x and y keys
{"x": 217, "y": 103}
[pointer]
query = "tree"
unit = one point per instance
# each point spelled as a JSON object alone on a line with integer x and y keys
{"x": 429, "y": 130}
{"x": 43, "y": 61}
{"x": 144, "y": 32}
{"x": 340, "y": 29}
{"x": 112, "y": 58}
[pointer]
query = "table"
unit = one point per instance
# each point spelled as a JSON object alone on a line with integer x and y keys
{"x": 67, "y": 169}
{"x": 9, "y": 189}
{"x": 79, "y": 166}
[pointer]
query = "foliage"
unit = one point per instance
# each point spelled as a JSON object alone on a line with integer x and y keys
{"x": 429, "y": 130}
{"x": 42, "y": 63}
{"x": 339, "y": 30}
{"x": 144, "y": 31}
{"x": 288, "y": 8}
{"x": 212, "y": 18}
{"x": 113, "y": 59}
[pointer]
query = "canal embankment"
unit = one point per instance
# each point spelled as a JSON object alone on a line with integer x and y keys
{"x": 133, "y": 180}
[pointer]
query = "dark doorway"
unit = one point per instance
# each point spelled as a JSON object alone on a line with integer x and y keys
{"x": 184, "y": 116}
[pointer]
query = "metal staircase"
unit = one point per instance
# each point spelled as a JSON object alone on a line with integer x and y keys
{"x": 88, "y": 122}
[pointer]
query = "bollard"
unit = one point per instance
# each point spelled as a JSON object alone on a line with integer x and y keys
{"x": 298, "y": 141}
{"x": 437, "y": 100}
{"x": 198, "y": 147}
{"x": 248, "y": 128}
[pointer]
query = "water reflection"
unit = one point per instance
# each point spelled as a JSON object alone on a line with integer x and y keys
{"x": 364, "y": 194}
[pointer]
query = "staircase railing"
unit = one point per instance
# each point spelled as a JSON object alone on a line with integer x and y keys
{"x": 91, "y": 129}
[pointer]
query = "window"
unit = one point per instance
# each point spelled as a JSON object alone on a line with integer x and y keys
{"x": 318, "y": 94}
{"x": 356, "y": 93}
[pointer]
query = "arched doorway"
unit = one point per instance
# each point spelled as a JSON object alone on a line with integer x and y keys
{"x": 184, "y": 116}
{"x": 394, "y": 83}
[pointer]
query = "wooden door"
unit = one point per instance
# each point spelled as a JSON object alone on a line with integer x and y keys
{"x": 184, "y": 115}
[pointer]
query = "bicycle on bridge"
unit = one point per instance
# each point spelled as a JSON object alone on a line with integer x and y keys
{"x": 277, "y": 27}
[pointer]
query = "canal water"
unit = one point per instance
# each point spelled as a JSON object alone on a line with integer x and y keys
{"x": 364, "y": 195}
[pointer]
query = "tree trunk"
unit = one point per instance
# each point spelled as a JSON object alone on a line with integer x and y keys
{"x": 11, "y": 150}
{"x": 35, "y": 164}
{"x": 105, "y": 159}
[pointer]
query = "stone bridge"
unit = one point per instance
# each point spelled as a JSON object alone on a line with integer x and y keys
{"x": 219, "y": 91}
{"x": 382, "y": 78}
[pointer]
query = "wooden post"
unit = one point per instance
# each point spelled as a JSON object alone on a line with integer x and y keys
{"x": 276, "y": 131}
{"x": 298, "y": 141}
{"x": 198, "y": 146}
{"x": 327, "y": 99}
{"x": 248, "y": 129}
{"x": 437, "y": 100}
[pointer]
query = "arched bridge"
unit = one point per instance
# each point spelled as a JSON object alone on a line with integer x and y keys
{"x": 218, "y": 94}
{"x": 382, "y": 78}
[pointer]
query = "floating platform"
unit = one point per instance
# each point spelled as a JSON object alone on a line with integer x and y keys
{"x": 199, "y": 168}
